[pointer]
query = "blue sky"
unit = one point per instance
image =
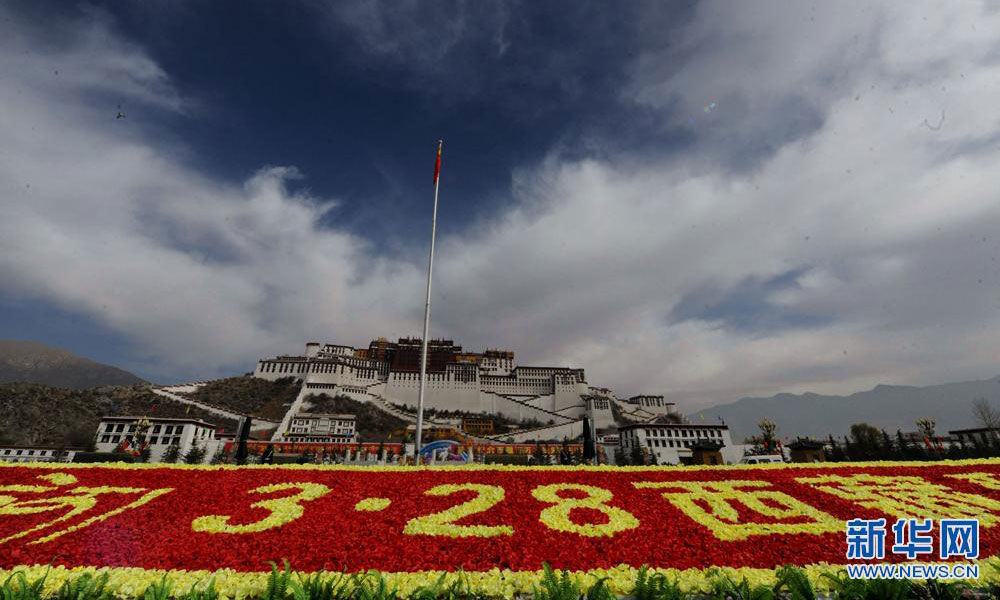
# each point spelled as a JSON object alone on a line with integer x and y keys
{"x": 704, "y": 200}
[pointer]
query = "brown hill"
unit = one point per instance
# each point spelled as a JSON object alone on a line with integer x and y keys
{"x": 33, "y": 414}
{"x": 249, "y": 395}
{"x": 31, "y": 362}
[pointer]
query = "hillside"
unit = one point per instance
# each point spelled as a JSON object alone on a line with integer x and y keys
{"x": 31, "y": 362}
{"x": 888, "y": 407}
{"x": 33, "y": 414}
{"x": 249, "y": 395}
{"x": 372, "y": 423}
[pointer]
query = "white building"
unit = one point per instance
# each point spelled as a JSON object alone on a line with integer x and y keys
{"x": 671, "y": 442}
{"x": 488, "y": 382}
{"x": 36, "y": 454}
{"x": 983, "y": 436}
{"x": 653, "y": 404}
{"x": 321, "y": 427}
{"x": 161, "y": 434}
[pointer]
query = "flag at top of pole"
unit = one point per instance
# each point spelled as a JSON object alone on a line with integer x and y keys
{"x": 427, "y": 309}
{"x": 437, "y": 163}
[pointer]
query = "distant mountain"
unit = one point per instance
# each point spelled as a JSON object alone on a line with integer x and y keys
{"x": 888, "y": 407}
{"x": 30, "y": 362}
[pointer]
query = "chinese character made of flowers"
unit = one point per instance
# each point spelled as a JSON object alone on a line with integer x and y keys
{"x": 907, "y": 496}
{"x": 987, "y": 480}
{"x": 714, "y": 505}
{"x": 80, "y": 500}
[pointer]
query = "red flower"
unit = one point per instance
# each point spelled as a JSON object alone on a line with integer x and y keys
{"x": 241, "y": 518}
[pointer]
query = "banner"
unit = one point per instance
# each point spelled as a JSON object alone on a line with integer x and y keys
{"x": 314, "y": 448}
{"x": 478, "y": 519}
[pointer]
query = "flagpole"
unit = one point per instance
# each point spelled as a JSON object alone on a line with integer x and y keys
{"x": 427, "y": 310}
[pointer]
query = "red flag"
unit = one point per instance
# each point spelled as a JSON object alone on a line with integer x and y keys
{"x": 437, "y": 163}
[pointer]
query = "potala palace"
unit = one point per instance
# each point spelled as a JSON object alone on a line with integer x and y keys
{"x": 387, "y": 373}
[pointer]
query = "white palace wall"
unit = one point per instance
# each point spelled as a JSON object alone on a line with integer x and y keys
{"x": 442, "y": 392}
{"x": 497, "y": 386}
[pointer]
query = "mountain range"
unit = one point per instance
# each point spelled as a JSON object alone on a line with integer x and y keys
{"x": 31, "y": 362}
{"x": 888, "y": 407}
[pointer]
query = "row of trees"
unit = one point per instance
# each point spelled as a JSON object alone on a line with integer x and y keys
{"x": 869, "y": 443}
{"x": 194, "y": 456}
{"x": 866, "y": 442}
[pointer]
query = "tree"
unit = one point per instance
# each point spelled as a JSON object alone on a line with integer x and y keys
{"x": 195, "y": 455}
{"x": 904, "y": 448}
{"x": 539, "y": 456}
{"x": 171, "y": 454}
{"x": 636, "y": 457}
{"x": 888, "y": 453}
{"x": 926, "y": 428}
{"x": 836, "y": 454}
{"x": 620, "y": 458}
{"x": 565, "y": 457}
{"x": 986, "y": 415}
{"x": 220, "y": 456}
{"x": 768, "y": 431}
{"x": 866, "y": 439}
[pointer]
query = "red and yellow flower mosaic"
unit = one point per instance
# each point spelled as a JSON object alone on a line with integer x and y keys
{"x": 497, "y": 524}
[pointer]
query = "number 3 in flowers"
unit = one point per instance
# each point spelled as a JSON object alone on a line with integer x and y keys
{"x": 557, "y": 517}
{"x": 283, "y": 510}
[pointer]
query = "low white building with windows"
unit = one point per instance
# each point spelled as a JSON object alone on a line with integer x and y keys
{"x": 36, "y": 454}
{"x": 983, "y": 436}
{"x": 321, "y": 427}
{"x": 161, "y": 434}
{"x": 671, "y": 442}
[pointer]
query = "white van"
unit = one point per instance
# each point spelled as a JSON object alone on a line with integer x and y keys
{"x": 762, "y": 459}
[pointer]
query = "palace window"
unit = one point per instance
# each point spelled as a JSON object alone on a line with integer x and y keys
{"x": 105, "y": 439}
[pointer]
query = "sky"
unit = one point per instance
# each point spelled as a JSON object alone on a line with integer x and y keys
{"x": 704, "y": 200}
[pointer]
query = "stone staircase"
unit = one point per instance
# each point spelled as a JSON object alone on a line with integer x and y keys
{"x": 171, "y": 393}
{"x": 380, "y": 402}
{"x": 639, "y": 415}
{"x": 560, "y": 419}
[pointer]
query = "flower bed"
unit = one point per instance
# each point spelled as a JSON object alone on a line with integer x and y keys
{"x": 497, "y": 524}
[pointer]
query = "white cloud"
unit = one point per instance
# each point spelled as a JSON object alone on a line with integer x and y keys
{"x": 892, "y": 223}
{"x": 200, "y": 274}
